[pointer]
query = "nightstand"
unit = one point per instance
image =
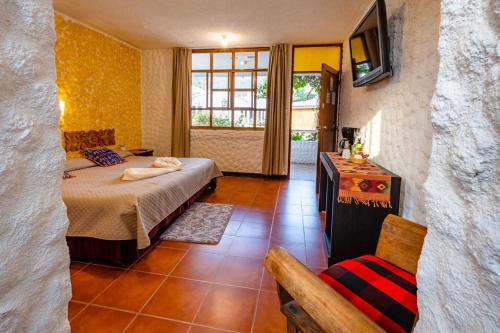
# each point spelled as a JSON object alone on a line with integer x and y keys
{"x": 142, "y": 152}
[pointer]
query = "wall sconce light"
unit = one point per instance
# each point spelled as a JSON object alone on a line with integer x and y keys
{"x": 61, "y": 107}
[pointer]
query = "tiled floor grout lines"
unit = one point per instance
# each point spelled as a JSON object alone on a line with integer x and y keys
{"x": 267, "y": 214}
{"x": 154, "y": 293}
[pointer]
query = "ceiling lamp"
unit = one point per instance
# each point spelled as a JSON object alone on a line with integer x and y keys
{"x": 225, "y": 40}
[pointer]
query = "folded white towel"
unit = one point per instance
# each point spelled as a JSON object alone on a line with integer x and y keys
{"x": 161, "y": 166}
{"x": 142, "y": 173}
{"x": 167, "y": 162}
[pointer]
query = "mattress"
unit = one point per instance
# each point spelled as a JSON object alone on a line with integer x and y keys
{"x": 101, "y": 205}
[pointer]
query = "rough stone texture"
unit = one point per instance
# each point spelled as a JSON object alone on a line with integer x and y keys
{"x": 157, "y": 100}
{"x": 459, "y": 270}
{"x": 394, "y": 114}
{"x": 34, "y": 261}
{"x": 232, "y": 150}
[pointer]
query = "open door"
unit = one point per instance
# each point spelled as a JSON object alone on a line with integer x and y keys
{"x": 328, "y": 109}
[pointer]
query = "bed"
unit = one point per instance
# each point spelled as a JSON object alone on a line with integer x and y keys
{"x": 115, "y": 220}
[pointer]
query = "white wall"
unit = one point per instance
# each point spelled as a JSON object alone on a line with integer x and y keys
{"x": 238, "y": 151}
{"x": 232, "y": 150}
{"x": 156, "y": 100}
{"x": 34, "y": 261}
{"x": 459, "y": 270}
{"x": 395, "y": 114}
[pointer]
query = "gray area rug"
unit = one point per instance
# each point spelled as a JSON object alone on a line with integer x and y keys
{"x": 201, "y": 223}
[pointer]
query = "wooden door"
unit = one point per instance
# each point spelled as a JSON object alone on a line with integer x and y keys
{"x": 328, "y": 113}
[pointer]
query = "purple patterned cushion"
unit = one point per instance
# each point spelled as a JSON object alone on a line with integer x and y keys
{"x": 103, "y": 157}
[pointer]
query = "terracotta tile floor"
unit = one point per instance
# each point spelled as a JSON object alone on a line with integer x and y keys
{"x": 182, "y": 287}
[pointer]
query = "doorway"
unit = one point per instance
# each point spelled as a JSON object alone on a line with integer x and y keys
{"x": 309, "y": 63}
{"x": 304, "y": 136}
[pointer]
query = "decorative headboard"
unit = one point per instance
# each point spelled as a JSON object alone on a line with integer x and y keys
{"x": 81, "y": 140}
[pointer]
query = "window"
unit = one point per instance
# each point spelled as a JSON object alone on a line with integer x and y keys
{"x": 229, "y": 88}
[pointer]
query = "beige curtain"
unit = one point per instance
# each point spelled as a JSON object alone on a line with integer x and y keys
{"x": 276, "y": 136}
{"x": 181, "y": 101}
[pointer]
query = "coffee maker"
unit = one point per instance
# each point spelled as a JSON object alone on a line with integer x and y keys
{"x": 348, "y": 136}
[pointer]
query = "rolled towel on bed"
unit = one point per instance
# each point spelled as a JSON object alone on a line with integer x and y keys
{"x": 167, "y": 162}
{"x": 161, "y": 166}
{"x": 143, "y": 173}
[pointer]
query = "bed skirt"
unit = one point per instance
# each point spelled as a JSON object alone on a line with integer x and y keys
{"x": 125, "y": 252}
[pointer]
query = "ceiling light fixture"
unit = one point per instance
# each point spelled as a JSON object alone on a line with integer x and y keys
{"x": 224, "y": 41}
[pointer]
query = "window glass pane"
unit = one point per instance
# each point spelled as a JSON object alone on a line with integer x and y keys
{"x": 243, "y": 99}
{"x": 263, "y": 59}
{"x": 244, "y": 60}
{"x": 221, "y": 118}
{"x": 243, "y": 118}
{"x": 221, "y": 80}
{"x": 221, "y": 99}
{"x": 200, "y": 118}
{"x": 200, "y": 61}
{"x": 199, "y": 90}
{"x": 223, "y": 60}
{"x": 243, "y": 80}
{"x": 261, "y": 119}
{"x": 261, "y": 90}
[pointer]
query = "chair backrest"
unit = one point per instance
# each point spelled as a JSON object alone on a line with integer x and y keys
{"x": 400, "y": 242}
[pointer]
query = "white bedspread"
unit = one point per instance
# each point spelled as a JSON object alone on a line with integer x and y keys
{"x": 101, "y": 205}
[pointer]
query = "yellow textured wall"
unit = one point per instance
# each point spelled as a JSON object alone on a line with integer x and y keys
{"x": 99, "y": 80}
{"x": 309, "y": 59}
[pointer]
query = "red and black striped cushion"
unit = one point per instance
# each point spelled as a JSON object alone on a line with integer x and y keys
{"x": 383, "y": 292}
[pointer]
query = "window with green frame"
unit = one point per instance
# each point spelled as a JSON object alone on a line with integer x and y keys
{"x": 229, "y": 88}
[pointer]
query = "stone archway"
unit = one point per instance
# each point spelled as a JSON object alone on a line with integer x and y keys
{"x": 459, "y": 269}
{"x": 34, "y": 260}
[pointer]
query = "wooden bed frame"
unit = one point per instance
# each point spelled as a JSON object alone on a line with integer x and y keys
{"x": 125, "y": 252}
{"x": 312, "y": 306}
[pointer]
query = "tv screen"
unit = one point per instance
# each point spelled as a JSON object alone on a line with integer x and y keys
{"x": 369, "y": 47}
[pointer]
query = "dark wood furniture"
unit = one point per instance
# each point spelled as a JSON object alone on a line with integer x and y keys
{"x": 125, "y": 252}
{"x": 142, "y": 152}
{"x": 312, "y": 306}
{"x": 351, "y": 230}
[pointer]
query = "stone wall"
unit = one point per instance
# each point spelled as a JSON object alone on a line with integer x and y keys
{"x": 395, "y": 114}
{"x": 232, "y": 150}
{"x": 34, "y": 261}
{"x": 459, "y": 270}
{"x": 156, "y": 100}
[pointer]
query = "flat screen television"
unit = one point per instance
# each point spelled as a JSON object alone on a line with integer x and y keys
{"x": 369, "y": 47}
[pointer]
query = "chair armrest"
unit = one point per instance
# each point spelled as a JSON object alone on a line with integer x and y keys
{"x": 331, "y": 311}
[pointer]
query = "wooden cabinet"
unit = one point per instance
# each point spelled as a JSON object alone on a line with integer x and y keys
{"x": 351, "y": 230}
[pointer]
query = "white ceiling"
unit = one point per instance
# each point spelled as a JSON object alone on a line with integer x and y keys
{"x": 151, "y": 24}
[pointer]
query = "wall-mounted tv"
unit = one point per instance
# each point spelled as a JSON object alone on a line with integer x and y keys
{"x": 369, "y": 47}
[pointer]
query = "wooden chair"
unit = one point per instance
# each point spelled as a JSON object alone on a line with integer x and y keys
{"x": 312, "y": 306}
